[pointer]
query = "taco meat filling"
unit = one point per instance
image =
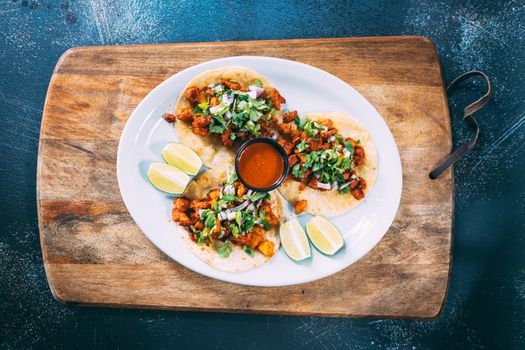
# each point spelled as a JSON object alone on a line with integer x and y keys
{"x": 320, "y": 157}
{"x": 231, "y": 111}
{"x": 229, "y": 215}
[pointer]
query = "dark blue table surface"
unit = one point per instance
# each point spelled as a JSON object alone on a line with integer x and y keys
{"x": 485, "y": 303}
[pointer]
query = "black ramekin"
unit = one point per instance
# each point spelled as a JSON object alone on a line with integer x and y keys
{"x": 278, "y": 147}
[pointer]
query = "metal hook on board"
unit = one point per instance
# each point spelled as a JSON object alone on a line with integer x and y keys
{"x": 468, "y": 113}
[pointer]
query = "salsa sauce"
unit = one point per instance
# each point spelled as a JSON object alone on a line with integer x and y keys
{"x": 260, "y": 165}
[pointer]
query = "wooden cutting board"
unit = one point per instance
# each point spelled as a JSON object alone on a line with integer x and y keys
{"x": 95, "y": 254}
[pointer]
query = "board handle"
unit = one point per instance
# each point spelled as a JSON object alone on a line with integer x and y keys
{"x": 468, "y": 115}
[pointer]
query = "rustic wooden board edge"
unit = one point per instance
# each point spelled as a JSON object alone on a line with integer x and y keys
{"x": 50, "y": 282}
{"x": 57, "y": 295}
{"x": 451, "y": 172}
{"x": 421, "y": 38}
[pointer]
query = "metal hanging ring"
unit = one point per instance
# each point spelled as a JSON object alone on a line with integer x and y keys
{"x": 468, "y": 114}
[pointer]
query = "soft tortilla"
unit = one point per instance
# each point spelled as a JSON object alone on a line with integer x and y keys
{"x": 210, "y": 149}
{"x": 238, "y": 260}
{"x": 215, "y": 157}
{"x": 332, "y": 203}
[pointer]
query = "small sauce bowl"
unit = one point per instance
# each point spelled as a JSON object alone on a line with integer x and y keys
{"x": 261, "y": 164}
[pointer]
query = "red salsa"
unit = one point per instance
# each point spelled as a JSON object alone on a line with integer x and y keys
{"x": 260, "y": 165}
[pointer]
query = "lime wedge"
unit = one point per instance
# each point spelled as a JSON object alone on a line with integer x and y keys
{"x": 182, "y": 157}
{"x": 294, "y": 240}
{"x": 324, "y": 235}
{"x": 167, "y": 178}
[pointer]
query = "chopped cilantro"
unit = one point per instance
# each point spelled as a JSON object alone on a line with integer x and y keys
{"x": 297, "y": 172}
{"x": 217, "y": 129}
{"x": 301, "y": 122}
{"x": 302, "y": 146}
{"x": 266, "y": 225}
{"x": 348, "y": 145}
{"x": 210, "y": 220}
{"x": 308, "y": 128}
{"x": 256, "y": 196}
{"x": 253, "y": 128}
{"x": 345, "y": 190}
{"x": 219, "y": 118}
{"x": 254, "y": 115}
{"x": 247, "y": 221}
{"x": 238, "y": 218}
{"x": 248, "y": 251}
{"x": 225, "y": 250}
{"x": 197, "y": 110}
{"x": 257, "y": 83}
{"x": 234, "y": 229}
{"x": 229, "y": 198}
{"x": 243, "y": 96}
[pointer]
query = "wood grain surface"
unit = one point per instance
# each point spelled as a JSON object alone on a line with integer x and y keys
{"x": 95, "y": 254}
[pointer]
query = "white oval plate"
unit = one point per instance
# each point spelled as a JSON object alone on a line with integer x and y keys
{"x": 306, "y": 89}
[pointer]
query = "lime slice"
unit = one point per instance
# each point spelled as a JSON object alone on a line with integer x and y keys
{"x": 182, "y": 157}
{"x": 167, "y": 178}
{"x": 294, "y": 240}
{"x": 324, "y": 235}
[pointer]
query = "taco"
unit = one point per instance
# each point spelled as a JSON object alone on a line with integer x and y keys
{"x": 221, "y": 108}
{"x": 229, "y": 227}
{"x": 333, "y": 162}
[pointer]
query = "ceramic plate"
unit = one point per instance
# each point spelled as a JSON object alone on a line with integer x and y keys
{"x": 306, "y": 89}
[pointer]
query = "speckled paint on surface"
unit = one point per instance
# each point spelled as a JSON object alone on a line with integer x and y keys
{"x": 485, "y": 305}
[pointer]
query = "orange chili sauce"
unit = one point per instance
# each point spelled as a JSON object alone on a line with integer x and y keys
{"x": 260, "y": 165}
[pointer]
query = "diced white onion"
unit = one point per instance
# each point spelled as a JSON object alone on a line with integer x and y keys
{"x": 335, "y": 186}
{"x": 251, "y": 207}
{"x": 258, "y": 90}
{"x": 258, "y": 203}
{"x": 230, "y": 215}
{"x": 229, "y": 189}
{"x": 222, "y": 215}
{"x": 241, "y": 206}
{"x": 353, "y": 177}
{"x": 323, "y": 185}
{"x": 228, "y": 100}
{"x": 228, "y": 115}
{"x": 249, "y": 193}
{"x": 216, "y": 109}
{"x": 331, "y": 138}
{"x": 252, "y": 94}
{"x": 344, "y": 184}
{"x": 347, "y": 153}
{"x": 242, "y": 104}
{"x": 317, "y": 176}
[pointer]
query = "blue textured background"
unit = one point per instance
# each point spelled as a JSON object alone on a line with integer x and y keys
{"x": 485, "y": 305}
